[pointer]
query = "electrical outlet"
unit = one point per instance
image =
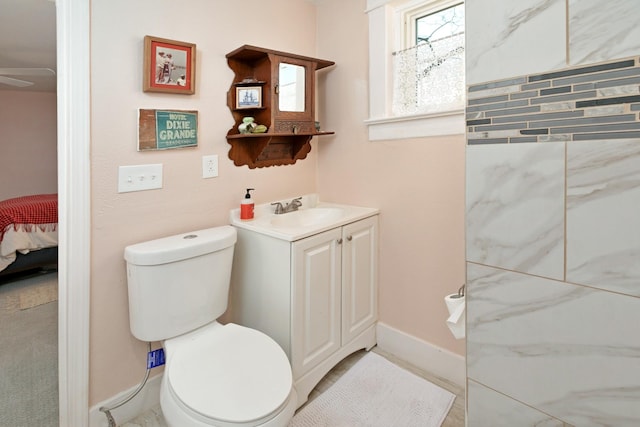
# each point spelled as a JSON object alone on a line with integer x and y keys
{"x": 210, "y": 166}
{"x": 155, "y": 358}
{"x": 139, "y": 177}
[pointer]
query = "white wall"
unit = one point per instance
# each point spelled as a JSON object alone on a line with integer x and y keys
{"x": 28, "y": 143}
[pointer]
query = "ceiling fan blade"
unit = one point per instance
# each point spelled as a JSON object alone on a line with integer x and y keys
{"x": 27, "y": 72}
{"x": 14, "y": 82}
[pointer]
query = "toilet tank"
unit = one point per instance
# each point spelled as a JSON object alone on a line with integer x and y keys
{"x": 179, "y": 283}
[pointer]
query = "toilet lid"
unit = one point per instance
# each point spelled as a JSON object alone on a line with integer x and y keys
{"x": 235, "y": 374}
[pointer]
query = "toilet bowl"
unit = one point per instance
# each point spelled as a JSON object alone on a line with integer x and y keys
{"x": 227, "y": 375}
{"x": 216, "y": 375}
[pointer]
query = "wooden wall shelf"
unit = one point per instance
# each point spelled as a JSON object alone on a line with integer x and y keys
{"x": 258, "y": 150}
{"x": 269, "y": 134}
{"x": 250, "y": 83}
{"x": 248, "y": 110}
{"x": 289, "y": 132}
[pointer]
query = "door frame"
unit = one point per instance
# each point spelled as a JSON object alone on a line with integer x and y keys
{"x": 74, "y": 204}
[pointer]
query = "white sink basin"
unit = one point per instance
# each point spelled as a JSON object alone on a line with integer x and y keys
{"x": 312, "y": 218}
{"x": 306, "y": 217}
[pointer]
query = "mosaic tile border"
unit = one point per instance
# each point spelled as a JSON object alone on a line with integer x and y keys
{"x": 583, "y": 103}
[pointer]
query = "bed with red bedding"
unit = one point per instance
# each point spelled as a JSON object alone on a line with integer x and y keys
{"x": 28, "y": 225}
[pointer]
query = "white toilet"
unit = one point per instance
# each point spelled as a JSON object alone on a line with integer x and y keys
{"x": 215, "y": 374}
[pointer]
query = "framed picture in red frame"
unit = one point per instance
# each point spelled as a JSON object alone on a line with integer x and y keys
{"x": 169, "y": 66}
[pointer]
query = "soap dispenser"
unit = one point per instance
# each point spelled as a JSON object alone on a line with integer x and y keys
{"x": 246, "y": 206}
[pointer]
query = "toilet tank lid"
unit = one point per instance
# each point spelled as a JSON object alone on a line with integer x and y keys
{"x": 181, "y": 246}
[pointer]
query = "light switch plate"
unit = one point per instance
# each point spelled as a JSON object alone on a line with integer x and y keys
{"x": 139, "y": 178}
{"x": 210, "y": 166}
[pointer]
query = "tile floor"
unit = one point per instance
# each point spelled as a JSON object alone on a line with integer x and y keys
{"x": 154, "y": 418}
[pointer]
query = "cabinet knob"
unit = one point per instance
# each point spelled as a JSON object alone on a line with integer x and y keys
{"x": 339, "y": 241}
{"x": 349, "y": 238}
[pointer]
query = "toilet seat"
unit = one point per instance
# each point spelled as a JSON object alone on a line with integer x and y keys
{"x": 230, "y": 375}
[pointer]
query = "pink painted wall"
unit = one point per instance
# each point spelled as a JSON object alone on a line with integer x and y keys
{"x": 28, "y": 148}
{"x": 187, "y": 201}
{"x": 417, "y": 184}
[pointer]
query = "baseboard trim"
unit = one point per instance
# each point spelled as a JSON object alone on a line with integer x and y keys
{"x": 148, "y": 398}
{"x": 424, "y": 355}
{"x": 419, "y": 353}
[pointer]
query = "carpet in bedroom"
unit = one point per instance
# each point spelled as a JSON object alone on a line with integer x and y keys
{"x": 29, "y": 352}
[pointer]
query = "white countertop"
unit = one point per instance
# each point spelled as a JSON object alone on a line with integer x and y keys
{"x": 263, "y": 216}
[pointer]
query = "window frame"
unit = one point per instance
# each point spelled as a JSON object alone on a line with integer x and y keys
{"x": 387, "y": 24}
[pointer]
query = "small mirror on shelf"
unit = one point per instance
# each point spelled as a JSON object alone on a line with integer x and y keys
{"x": 291, "y": 89}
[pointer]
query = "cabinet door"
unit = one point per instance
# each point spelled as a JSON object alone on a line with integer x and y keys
{"x": 315, "y": 323}
{"x": 359, "y": 277}
{"x": 293, "y": 97}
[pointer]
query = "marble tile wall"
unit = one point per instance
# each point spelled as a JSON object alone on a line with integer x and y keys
{"x": 553, "y": 279}
{"x": 515, "y": 207}
{"x": 573, "y": 104}
{"x": 523, "y": 36}
{"x": 553, "y": 230}
{"x": 603, "y": 215}
{"x": 489, "y": 408}
{"x": 532, "y": 36}
{"x": 568, "y": 351}
{"x": 600, "y": 31}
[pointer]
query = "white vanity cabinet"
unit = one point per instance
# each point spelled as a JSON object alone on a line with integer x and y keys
{"x": 316, "y": 296}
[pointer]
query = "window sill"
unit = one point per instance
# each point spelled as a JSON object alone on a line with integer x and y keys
{"x": 418, "y": 126}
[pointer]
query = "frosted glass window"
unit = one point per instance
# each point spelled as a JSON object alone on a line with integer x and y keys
{"x": 429, "y": 76}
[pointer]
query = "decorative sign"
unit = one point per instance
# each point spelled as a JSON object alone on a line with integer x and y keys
{"x": 163, "y": 129}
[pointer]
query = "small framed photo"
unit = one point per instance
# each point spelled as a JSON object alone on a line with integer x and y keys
{"x": 248, "y": 97}
{"x": 169, "y": 66}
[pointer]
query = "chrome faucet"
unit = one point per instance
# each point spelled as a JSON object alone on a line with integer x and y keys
{"x": 289, "y": 207}
{"x": 294, "y": 205}
{"x": 279, "y": 208}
